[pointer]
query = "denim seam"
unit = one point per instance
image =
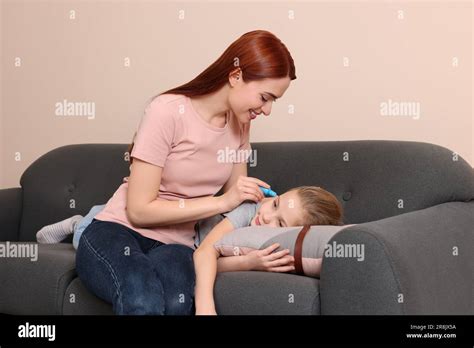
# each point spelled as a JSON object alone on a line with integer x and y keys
{"x": 109, "y": 266}
{"x": 155, "y": 245}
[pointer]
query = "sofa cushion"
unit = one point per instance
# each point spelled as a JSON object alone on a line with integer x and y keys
{"x": 244, "y": 240}
{"x": 36, "y": 286}
{"x": 266, "y": 293}
{"x": 260, "y": 293}
{"x": 50, "y": 285}
{"x": 80, "y": 301}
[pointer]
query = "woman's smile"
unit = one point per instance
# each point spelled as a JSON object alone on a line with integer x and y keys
{"x": 252, "y": 114}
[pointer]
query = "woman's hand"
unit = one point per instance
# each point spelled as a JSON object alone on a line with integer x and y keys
{"x": 245, "y": 188}
{"x": 266, "y": 260}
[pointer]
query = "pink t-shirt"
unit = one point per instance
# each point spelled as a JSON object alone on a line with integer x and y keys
{"x": 196, "y": 158}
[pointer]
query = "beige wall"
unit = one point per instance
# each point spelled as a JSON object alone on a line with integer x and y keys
{"x": 407, "y": 59}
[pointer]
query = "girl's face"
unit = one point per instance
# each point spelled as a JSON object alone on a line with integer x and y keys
{"x": 280, "y": 211}
{"x": 257, "y": 96}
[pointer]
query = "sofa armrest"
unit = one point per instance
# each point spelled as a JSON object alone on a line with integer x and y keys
{"x": 415, "y": 263}
{"x": 10, "y": 213}
{"x": 35, "y": 284}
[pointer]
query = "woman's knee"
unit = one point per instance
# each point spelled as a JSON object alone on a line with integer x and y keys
{"x": 174, "y": 261}
{"x": 174, "y": 266}
{"x": 185, "y": 306}
{"x": 125, "y": 278}
{"x": 141, "y": 294}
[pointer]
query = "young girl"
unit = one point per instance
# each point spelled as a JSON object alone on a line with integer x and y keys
{"x": 304, "y": 205}
{"x": 244, "y": 215}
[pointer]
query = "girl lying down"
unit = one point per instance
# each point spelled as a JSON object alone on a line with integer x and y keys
{"x": 304, "y": 205}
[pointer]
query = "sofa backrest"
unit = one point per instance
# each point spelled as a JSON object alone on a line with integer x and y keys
{"x": 68, "y": 181}
{"x": 373, "y": 179}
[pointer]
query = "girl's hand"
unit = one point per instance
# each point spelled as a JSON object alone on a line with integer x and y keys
{"x": 265, "y": 260}
{"x": 245, "y": 188}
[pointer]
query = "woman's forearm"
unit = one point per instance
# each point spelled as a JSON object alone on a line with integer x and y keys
{"x": 205, "y": 266}
{"x": 163, "y": 213}
{"x": 233, "y": 263}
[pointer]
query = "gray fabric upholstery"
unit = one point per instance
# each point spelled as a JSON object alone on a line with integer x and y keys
{"x": 404, "y": 245}
{"x": 37, "y": 287}
{"x": 84, "y": 175}
{"x": 378, "y": 173}
{"x": 79, "y": 301}
{"x": 412, "y": 255}
{"x": 265, "y": 293}
{"x": 10, "y": 213}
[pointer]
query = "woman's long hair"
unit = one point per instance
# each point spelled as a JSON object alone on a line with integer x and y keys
{"x": 259, "y": 54}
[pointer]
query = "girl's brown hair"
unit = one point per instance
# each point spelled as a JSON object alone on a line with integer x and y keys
{"x": 259, "y": 54}
{"x": 320, "y": 206}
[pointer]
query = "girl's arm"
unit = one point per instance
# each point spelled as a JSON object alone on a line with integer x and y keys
{"x": 205, "y": 265}
{"x": 258, "y": 260}
{"x": 206, "y": 261}
{"x": 233, "y": 263}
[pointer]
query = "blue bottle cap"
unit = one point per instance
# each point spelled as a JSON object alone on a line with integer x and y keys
{"x": 268, "y": 192}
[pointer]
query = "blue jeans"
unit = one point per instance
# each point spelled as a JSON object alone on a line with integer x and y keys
{"x": 84, "y": 222}
{"x": 136, "y": 274}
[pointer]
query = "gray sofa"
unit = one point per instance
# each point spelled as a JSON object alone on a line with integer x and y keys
{"x": 413, "y": 203}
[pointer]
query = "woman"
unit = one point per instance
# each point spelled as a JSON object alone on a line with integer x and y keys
{"x": 138, "y": 252}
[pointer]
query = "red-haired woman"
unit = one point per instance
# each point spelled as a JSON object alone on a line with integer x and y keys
{"x": 138, "y": 252}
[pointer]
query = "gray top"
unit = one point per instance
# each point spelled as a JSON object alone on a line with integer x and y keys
{"x": 239, "y": 217}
